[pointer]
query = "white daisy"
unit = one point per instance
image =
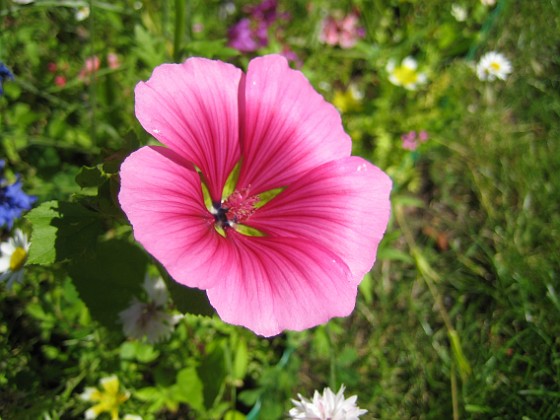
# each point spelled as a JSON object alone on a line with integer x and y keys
{"x": 459, "y": 12}
{"x": 13, "y": 254}
{"x": 150, "y": 319}
{"x": 82, "y": 13}
{"x": 492, "y": 66}
{"x": 326, "y": 407}
{"x": 406, "y": 74}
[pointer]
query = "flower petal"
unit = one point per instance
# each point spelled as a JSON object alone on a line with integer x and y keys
{"x": 342, "y": 205}
{"x": 276, "y": 284}
{"x": 162, "y": 197}
{"x": 193, "y": 109}
{"x": 110, "y": 384}
{"x": 287, "y": 128}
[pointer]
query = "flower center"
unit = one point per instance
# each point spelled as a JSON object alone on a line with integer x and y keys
{"x": 17, "y": 259}
{"x": 237, "y": 208}
{"x": 495, "y": 66}
{"x": 405, "y": 75}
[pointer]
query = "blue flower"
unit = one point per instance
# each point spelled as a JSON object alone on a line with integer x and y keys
{"x": 13, "y": 201}
{"x": 5, "y": 74}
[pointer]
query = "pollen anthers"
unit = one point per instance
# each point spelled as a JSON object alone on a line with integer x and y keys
{"x": 237, "y": 208}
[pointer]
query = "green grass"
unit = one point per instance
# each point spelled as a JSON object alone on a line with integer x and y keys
{"x": 491, "y": 191}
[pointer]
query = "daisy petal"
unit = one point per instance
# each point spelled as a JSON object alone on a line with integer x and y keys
{"x": 287, "y": 128}
{"x": 162, "y": 197}
{"x": 342, "y": 205}
{"x": 193, "y": 109}
{"x": 282, "y": 283}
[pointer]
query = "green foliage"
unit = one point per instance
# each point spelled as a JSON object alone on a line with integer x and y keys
{"x": 62, "y": 231}
{"x": 115, "y": 265}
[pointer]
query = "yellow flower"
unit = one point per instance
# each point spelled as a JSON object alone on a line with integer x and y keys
{"x": 108, "y": 398}
{"x": 348, "y": 100}
{"x": 406, "y": 74}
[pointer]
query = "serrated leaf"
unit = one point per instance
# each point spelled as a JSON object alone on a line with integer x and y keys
{"x": 90, "y": 177}
{"x": 61, "y": 231}
{"x": 108, "y": 279}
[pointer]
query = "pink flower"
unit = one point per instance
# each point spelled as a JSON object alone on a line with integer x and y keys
{"x": 91, "y": 65}
{"x": 316, "y": 238}
{"x": 60, "y": 80}
{"x": 344, "y": 32}
{"x": 52, "y": 67}
{"x": 411, "y": 142}
{"x": 113, "y": 61}
{"x": 291, "y": 56}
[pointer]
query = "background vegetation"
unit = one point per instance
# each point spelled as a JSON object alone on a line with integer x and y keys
{"x": 460, "y": 316}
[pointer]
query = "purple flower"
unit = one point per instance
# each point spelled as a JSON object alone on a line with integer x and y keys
{"x": 246, "y": 36}
{"x": 13, "y": 201}
{"x": 264, "y": 11}
{"x": 5, "y": 74}
{"x": 251, "y": 33}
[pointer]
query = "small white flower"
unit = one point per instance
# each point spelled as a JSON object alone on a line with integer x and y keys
{"x": 82, "y": 13}
{"x": 493, "y": 65}
{"x": 13, "y": 254}
{"x": 458, "y": 12}
{"x": 150, "y": 319}
{"x": 488, "y": 2}
{"x": 405, "y": 75}
{"x": 326, "y": 407}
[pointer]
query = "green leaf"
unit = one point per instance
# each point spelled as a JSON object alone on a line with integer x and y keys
{"x": 90, "y": 177}
{"x": 234, "y": 415}
{"x": 61, "y": 231}
{"x": 211, "y": 49}
{"x": 241, "y": 359}
{"x": 136, "y": 350}
{"x": 250, "y": 397}
{"x": 187, "y": 299}
{"x": 212, "y": 372}
{"x": 366, "y": 288}
{"x": 393, "y": 254}
{"x": 462, "y": 362}
{"x": 107, "y": 280}
{"x": 190, "y": 388}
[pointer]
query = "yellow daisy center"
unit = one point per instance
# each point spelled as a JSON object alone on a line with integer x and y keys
{"x": 405, "y": 75}
{"x": 494, "y": 65}
{"x": 18, "y": 259}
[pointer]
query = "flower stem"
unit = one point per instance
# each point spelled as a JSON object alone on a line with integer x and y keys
{"x": 431, "y": 277}
{"x": 180, "y": 28}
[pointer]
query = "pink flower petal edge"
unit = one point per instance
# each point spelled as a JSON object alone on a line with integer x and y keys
{"x": 338, "y": 205}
